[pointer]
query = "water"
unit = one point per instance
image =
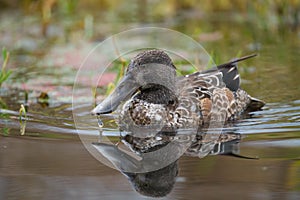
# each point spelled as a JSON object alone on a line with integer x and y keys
{"x": 48, "y": 161}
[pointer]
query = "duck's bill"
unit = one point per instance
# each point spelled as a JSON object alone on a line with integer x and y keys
{"x": 122, "y": 160}
{"x": 126, "y": 88}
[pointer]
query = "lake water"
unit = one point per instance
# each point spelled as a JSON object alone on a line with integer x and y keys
{"x": 44, "y": 158}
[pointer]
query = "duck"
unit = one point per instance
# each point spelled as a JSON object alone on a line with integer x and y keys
{"x": 155, "y": 99}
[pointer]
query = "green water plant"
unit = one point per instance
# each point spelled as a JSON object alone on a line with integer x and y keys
{"x": 4, "y": 74}
{"x": 121, "y": 64}
{"x": 22, "y": 119}
{"x": 22, "y": 113}
{"x": 4, "y": 116}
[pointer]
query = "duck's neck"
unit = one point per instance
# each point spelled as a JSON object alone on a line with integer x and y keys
{"x": 157, "y": 94}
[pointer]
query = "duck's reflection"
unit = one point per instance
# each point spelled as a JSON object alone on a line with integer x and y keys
{"x": 159, "y": 182}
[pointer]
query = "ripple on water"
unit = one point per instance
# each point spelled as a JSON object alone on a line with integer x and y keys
{"x": 276, "y": 125}
{"x": 274, "y": 118}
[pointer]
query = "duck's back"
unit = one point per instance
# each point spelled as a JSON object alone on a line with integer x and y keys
{"x": 217, "y": 93}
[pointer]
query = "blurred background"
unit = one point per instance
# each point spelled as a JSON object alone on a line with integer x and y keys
{"x": 49, "y": 39}
{"x": 41, "y": 156}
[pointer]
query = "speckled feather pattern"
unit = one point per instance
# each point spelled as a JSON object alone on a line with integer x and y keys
{"x": 202, "y": 98}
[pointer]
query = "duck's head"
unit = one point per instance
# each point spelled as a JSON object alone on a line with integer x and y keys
{"x": 150, "y": 76}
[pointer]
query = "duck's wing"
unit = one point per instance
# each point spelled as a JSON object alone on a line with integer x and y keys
{"x": 231, "y": 78}
{"x": 218, "y": 87}
{"x": 225, "y": 74}
{"x": 230, "y": 73}
{"x": 200, "y": 84}
{"x": 203, "y": 91}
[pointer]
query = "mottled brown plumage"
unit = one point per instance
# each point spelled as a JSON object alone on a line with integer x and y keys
{"x": 160, "y": 101}
{"x": 200, "y": 98}
{"x": 159, "y": 106}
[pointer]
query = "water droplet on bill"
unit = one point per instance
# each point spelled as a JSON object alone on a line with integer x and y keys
{"x": 100, "y": 123}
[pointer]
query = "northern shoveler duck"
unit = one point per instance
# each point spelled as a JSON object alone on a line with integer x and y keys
{"x": 154, "y": 94}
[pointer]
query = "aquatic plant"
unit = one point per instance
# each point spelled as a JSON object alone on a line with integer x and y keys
{"x": 121, "y": 64}
{"x": 22, "y": 113}
{"x": 22, "y": 119}
{"x": 4, "y": 74}
{"x": 4, "y": 116}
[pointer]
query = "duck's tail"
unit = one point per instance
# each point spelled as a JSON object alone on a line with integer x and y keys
{"x": 230, "y": 72}
{"x": 255, "y": 104}
{"x": 232, "y": 80}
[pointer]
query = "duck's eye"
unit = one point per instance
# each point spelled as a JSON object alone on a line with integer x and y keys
{"x": 128, "y": 139}
{"x": 171, "y": 101}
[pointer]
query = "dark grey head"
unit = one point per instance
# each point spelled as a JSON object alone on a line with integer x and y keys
{"x": 152, "y": 73}
{"x": 150, "y": 56}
